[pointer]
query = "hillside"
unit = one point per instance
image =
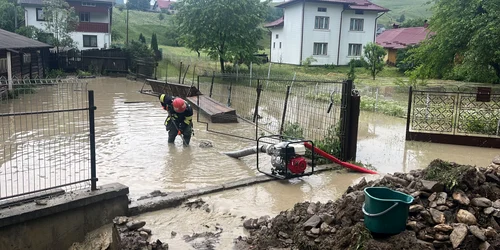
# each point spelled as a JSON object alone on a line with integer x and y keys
{"x": 410, "y": 8}
{"x": 146, "y": 23}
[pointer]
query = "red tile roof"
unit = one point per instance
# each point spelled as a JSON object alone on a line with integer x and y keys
{"x": 164, "y": 4}
{"x": 275, "y": 23}
{"x": 401, "y": 37}
{"x": 352, "y": 4}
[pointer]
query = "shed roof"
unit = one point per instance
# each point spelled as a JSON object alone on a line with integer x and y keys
{"x": 275, "y": 23}
{"x": 402, "y": 37}
{"x": 351, "y": 4}
{"x": 9, "y": 40}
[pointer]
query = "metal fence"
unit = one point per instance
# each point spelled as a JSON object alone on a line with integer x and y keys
{"x": 298, "y": 107}
{"x": 469, "y": 114}
{"x": 47, "y": 137}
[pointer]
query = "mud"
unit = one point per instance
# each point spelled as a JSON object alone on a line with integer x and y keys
{"x": 461, "y": 213}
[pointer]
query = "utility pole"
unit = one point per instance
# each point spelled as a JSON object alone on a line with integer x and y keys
{"x": 127, "y": 24}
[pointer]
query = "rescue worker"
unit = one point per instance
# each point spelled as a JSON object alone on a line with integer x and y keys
{"x": 180, "y": 118}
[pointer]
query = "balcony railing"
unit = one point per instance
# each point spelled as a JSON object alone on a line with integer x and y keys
{"x": 92, "y": 27}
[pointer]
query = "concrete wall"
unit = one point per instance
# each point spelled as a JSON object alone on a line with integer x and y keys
{"x": 356, "y": 37}
{"x": 64, "y": 220}
{"x": 292, "y": 35}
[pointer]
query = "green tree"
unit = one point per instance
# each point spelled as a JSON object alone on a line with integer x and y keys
{"x": 401, "y": 18}
{"x": 414, "y": 22}
{"x": 138, "y": 4}
{"x": 227, "y": 30}
{"x": 9, "y": 11}
{"x": 154, "y": 47}
{"x": 374, "y": 55}
{"x": 351, "y": 75}
{"x": 60, "y": 21}
{"x": 465, "y": 44}
{"x": 172, "y": 33}
{"x": 142, "y": 39}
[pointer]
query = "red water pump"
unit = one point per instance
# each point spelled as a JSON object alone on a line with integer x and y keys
{"x": 287, "y": 159}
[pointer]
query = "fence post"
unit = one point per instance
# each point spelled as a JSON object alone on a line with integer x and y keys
{"x": 92, "y": 108}
{"x": 353, "y": 125}
{"x": 284, "y": 109}
{"x": 408, "y": 114}
{"x": 211, "y": 85}
{"x": 345, "y": 113}
{"x": 256, "y": 110}
{"x": 180, "y": 73}
{"x": 229, "y": 95}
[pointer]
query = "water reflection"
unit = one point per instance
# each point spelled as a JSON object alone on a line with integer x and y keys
{"x": 381, "y": 142}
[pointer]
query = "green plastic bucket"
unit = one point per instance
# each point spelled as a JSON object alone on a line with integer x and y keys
{"x": 386, "y": 210}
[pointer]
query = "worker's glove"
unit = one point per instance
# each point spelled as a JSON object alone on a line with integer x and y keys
{"x": 179, "y": 132}
{"x": 182, "y": 126}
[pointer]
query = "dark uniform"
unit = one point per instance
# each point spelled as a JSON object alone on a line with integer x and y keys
{"x": 177, "y": 123}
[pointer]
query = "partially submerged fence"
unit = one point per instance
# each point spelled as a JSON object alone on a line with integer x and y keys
{"x": 313, "y": 110}
{"x": 466, "y": 116}
{"x": 47, "y": 138}
{"x": 96, "y": 61}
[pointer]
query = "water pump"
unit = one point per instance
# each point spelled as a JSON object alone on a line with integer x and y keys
{"x": 287, "y": 157}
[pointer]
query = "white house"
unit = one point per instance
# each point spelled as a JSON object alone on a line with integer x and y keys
{"x": 330, "y": 31}
{"x": 93, "y": 30}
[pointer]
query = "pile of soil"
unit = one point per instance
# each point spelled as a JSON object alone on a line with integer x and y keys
{"x": 455, "y": 207}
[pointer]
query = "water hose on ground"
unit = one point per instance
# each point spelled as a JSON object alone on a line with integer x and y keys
{"x": 248, "y": 151}
{"x": 341, "y": 163}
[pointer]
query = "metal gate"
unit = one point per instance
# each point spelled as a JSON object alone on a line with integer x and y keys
{"x": 47, "y": 138}
{"x": 466, "y": 116}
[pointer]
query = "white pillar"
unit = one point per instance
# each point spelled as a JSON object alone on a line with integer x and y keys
{"x": 9, "y": 70}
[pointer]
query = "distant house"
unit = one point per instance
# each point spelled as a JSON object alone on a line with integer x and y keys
{"x": 395, "y": 39}
{"x": 22, "y": 57}
{"x": 94, "y": 28}
{"x": 164, "y": 5}
{"x": 330, "y": 31}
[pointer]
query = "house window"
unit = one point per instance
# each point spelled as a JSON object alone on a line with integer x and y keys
{"x": 39, "y": 14}
{"x": 354, "y": 49}
{"x": 321, "y": 22}
{"x": 359, "y": 12}
{"x": 88, "y": 4}
{"x": 26, "y": 58}
{"x": 356, "y": 24}
{"x": 84, "y": 17}
{"x": 277, "y": 36}
{"x": 280, "y": 45}
{"x": 321, "y": 9}
{"x": 3, "y": 65}
{"x": 89, "y": 41}
{"x": 320, "y": 49}
{"x": 274, "y": 45}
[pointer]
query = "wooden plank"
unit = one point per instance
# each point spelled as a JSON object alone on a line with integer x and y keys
{"x": 173, "y": 89}
{"x": 217, "y": 112}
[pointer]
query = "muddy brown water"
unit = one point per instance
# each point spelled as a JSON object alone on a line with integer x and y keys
{"x": 132, "y": 149}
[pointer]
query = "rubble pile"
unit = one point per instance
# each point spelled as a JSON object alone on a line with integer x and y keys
{"x": 129, "y": 234}
{"x": 455, "y": 207}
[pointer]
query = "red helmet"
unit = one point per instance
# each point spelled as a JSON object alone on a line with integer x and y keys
{"x": 179, "y": 105}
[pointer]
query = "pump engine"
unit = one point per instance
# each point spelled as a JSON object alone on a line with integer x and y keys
{"x": 287, "y": 158}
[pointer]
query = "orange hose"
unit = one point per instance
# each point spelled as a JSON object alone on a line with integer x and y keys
{"x": 335, "y": 160}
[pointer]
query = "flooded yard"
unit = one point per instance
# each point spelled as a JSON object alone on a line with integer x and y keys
{"x": 132, "y": 149}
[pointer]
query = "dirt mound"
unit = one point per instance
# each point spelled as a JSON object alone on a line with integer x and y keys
{"x": 455, "y": 207}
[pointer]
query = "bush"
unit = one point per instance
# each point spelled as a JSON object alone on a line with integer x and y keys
{"x": 330, "y": 144}
{"x": 358, "y": 63}
{"x": 485, "y": 125}
{"x": 55, "y": 73}
{"x": 293, "y": 131}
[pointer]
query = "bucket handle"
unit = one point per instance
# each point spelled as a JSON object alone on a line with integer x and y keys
{"x": 378, "y": 214}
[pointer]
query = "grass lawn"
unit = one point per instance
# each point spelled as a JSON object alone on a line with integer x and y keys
{"x": 410, "y": 8}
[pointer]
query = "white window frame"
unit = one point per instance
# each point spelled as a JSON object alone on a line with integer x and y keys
{"x": 90, "y": 37}
{"x": 26, "y": 58}
{"x": 355, "y": 50}
{"x": 321, "y": 23}
{"x": 357, "y": 24}
{"x": 322, "y": 9}
{"x": 39, "y": 14}
{"x": 320, "y": 49}
{"x": 85, "y": 14}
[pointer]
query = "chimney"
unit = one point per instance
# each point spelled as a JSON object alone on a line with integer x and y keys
{"x": 426, "y": 24}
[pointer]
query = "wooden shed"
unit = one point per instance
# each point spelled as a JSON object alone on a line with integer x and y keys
{"x": 22, "y": 57}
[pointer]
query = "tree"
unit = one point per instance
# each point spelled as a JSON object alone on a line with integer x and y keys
{"x": 401, "y": 18}
{"x": 9, "y": 11}
{"x": 374, "y": 55}
{"x": 465, "y": 43}
{"x": 351, "y": 75}
{"x": 227, "y": 30}
{"x": 60, "y": 21}
{"x": 142, "y": 39}
{"x": 154, "y": 47}
{"x": 414, "y": 22}
{"x": 138, "y": 4}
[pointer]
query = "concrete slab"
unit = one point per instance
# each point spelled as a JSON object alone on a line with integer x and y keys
{"x": 177, "y": 198}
